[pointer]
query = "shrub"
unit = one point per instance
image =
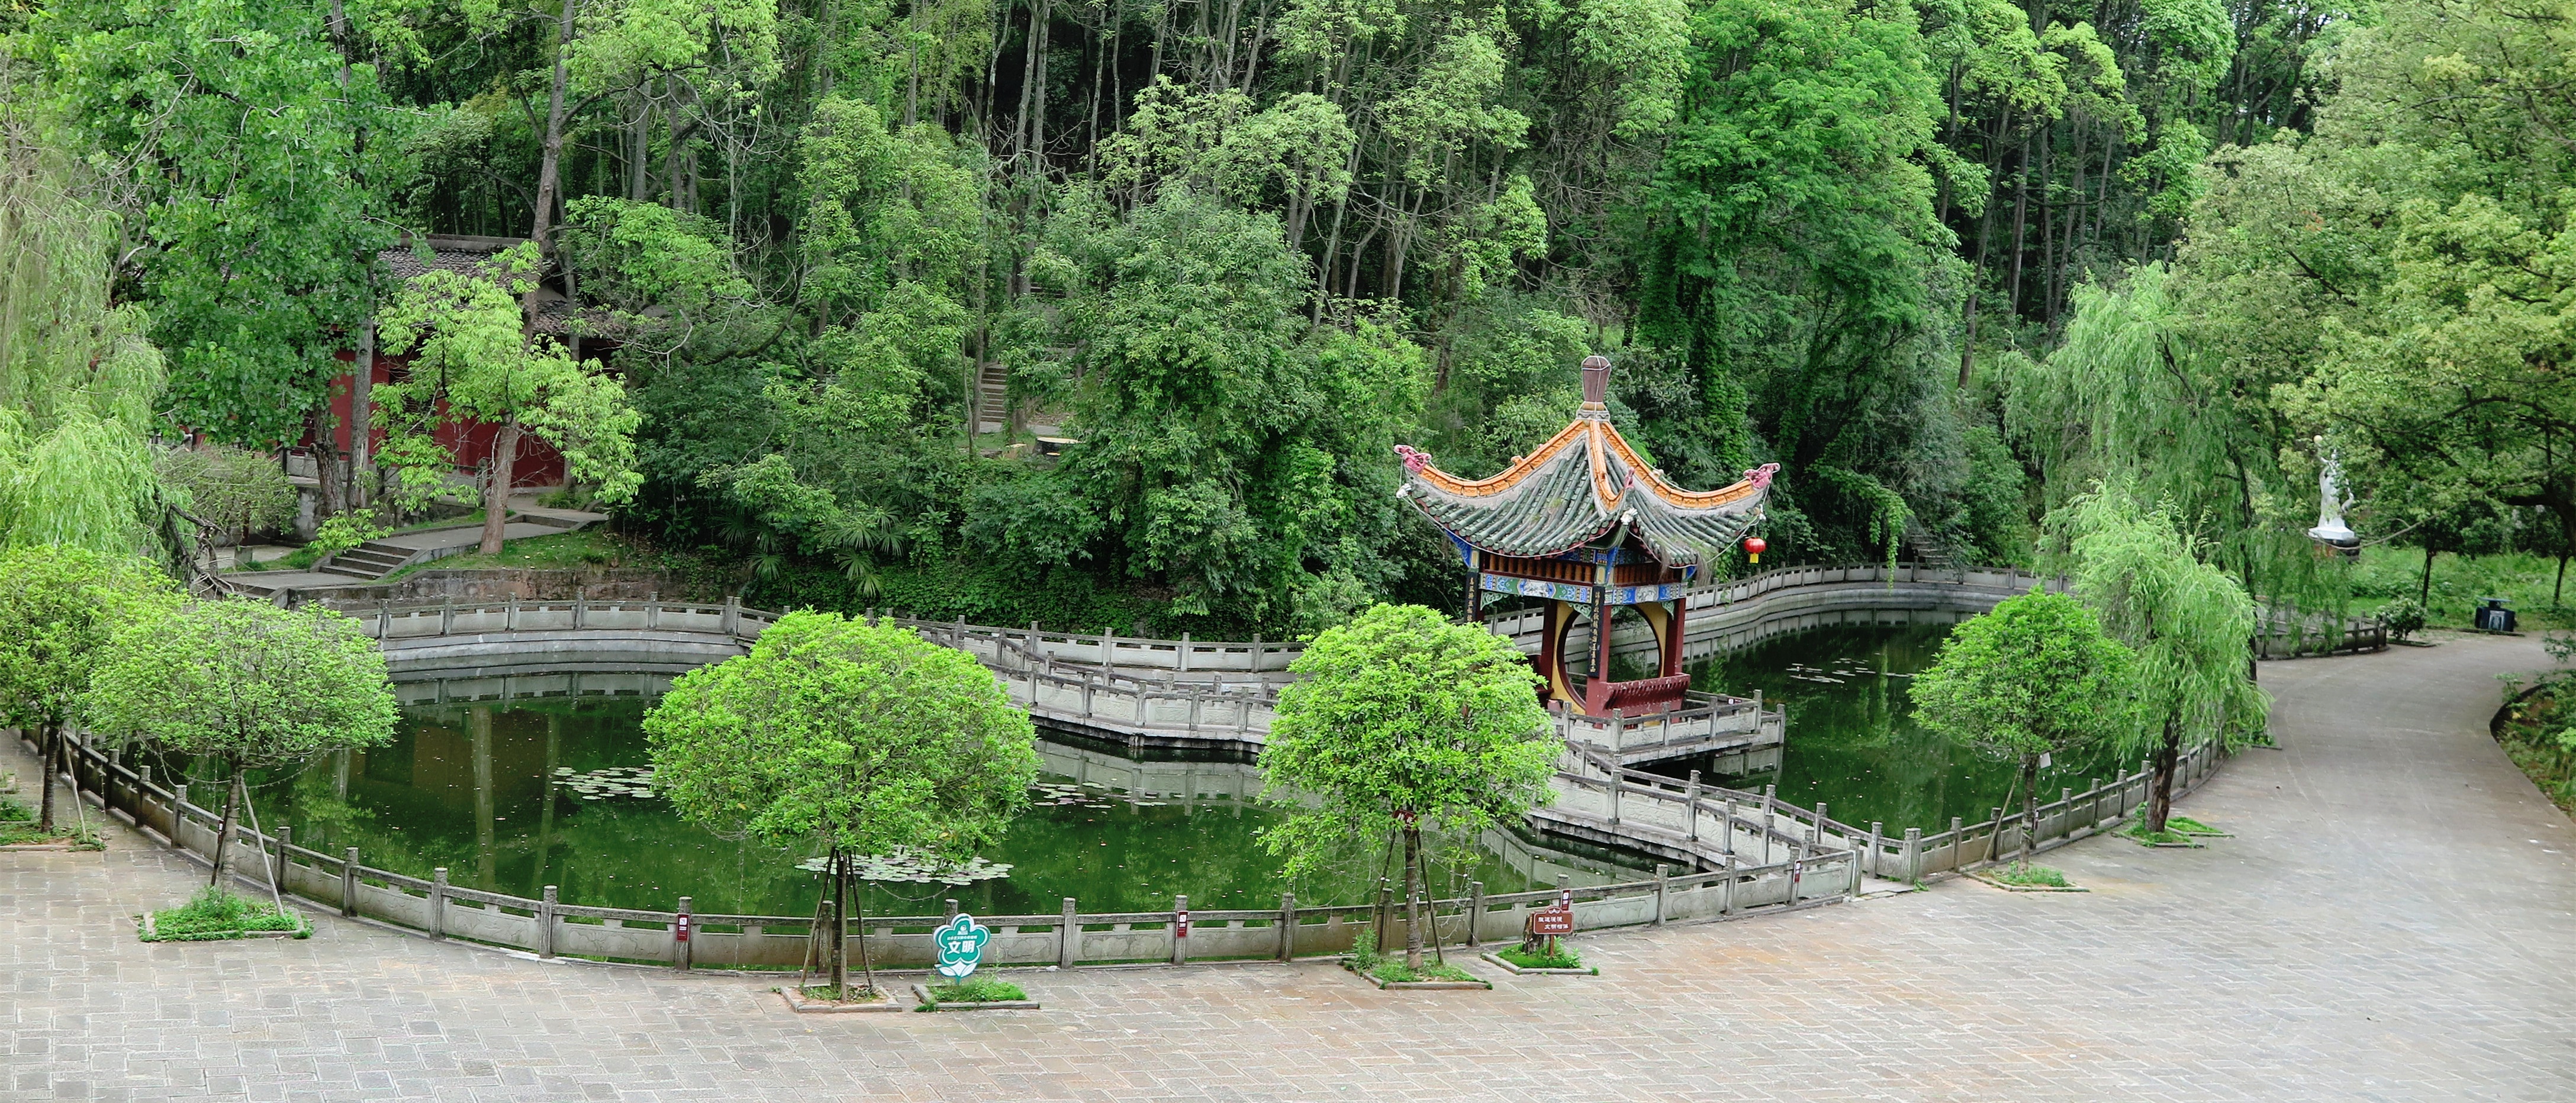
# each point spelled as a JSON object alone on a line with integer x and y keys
{"x": 215, "y": 913}
{"x": 347, "y": 531}
{"x": 2403, "y": 617}
{"x": 976, "y": 990}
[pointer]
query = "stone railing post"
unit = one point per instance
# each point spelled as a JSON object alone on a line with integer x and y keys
{"x": 1475, "y": 913}
{"x": 1287, "y": 926}
{"x": 1877, "y": 831}
{"x": 1181, "y": 656}
{"x": 1690, "y": 806}
{"x": 349, "y": 882}
{"x": 546, "y": 924}
{"x": 1661, "y": 887}
{"x": 653, "y": 609}
{"x": 447, "y": 615}
{"x": 1770, "y": 818}
{"x": 1914, "y": 853}
{"x": 1068, "y": 940}
{"x": 1816, "y": 829}
{"x": 384, "y": 619}
{"x": 438, "y": 903}
{"x": 1958, "y": 829}
{"x": 510, "y": 620}
{"x": 580, "y": 607}
{"x": 1180, "y": 933}
{"x": 731, "y": 624}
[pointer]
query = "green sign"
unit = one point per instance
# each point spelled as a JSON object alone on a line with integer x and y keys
{"x": 961, "y": 946}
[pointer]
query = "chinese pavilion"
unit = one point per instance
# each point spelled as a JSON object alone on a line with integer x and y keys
{"x": 1583, "y": 523}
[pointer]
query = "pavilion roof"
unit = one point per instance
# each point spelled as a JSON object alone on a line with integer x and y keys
{"x": 1576, "y": 488}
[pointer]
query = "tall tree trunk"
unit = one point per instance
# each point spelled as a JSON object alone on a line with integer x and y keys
{"x": 2424, "y": 588}
{"x": 224, "y": 831}
{"x": 47, "y": 735}
{"x": 354, "y": 492}
{"x": 330, "y": 475}
{"x": 496, "y": 498}
{"x": 1412, "y": 896}
{"x": 2029, "y": 805}
{"x": 2160, "y": 795}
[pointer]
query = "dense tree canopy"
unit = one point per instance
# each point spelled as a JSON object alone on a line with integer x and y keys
{"x": 846, "y": 256}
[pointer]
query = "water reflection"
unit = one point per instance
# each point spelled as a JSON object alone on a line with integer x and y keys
{"x": 1852, "y": 740}
{"x": 480, "y": 788}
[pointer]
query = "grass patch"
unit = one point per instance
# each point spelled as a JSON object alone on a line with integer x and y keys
{"x": 848, "y": 993}
{"x": 1395, "y": 972}
{"x": 2387, "y": 572}
{"x": 2031, "y": 876}
{"x": 2190, "y": 826}
{"x": 12, "y": 810}
{"x": 2139, "y": 832}
{"x": 976, "y": 990}
{"x": 1562, "y": 959}
{"x": 18, "y": 827}
{"x": 217, "y": 914}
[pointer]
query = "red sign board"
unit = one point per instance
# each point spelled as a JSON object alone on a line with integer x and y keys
{"x": 1551, "y": 921}
{"x": 1181, "y": 925}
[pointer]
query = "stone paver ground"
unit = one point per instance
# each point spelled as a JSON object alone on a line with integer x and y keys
{"x": 2396, "y": 919}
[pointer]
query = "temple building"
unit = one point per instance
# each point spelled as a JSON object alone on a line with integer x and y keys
{"x": 1583, "y": 524}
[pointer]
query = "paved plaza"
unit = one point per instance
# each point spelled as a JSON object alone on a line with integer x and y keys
{"x": 2396, "y": 919}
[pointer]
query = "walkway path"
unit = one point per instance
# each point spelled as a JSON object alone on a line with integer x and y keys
{"x": 2396, "y": 920}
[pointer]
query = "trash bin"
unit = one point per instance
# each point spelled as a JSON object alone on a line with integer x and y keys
{"x": 2492, "y": 616}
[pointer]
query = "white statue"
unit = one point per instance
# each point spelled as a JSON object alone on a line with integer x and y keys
{"x": 2332, "y": 500}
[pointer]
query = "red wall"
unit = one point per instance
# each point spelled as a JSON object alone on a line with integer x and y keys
{"x": 469, "y": 441}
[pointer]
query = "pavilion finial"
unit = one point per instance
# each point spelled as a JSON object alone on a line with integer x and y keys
{"x": 1596, "y": 382}
{"x": 1760, "y": 477}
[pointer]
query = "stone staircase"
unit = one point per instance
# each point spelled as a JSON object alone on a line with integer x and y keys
{"x": 369, "y": 561}
{"x": 992, "y": 398}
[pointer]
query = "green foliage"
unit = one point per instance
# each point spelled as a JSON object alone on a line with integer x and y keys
{"x": 1563, "y": 958}
{"x": 1397, "y": 972}
{"x": 215, "y": 914}
{"x": 77, "y": 375}
{"x": 259, "y": 171}
{"x": 244, "y": 681}
{"x": 2186, "y": 620}
{"x": 2024, "y": 873}
{"x": 2403, "y": 617}
{"x": 471, "y": 359}
{"x": 2035, "y": 675}
{"x": 1401, "y": 718}
{"x": 345, "y": 531}
{"x": 848, "y": 735}
{"x": 1364, "y": 955}
{"x": 975, "y": 990}
{"x": 235, "y": 490}
{"x": 60, "y": 607}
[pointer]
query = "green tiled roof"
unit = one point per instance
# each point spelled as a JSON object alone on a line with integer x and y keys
{"x": 1555, "y": 504}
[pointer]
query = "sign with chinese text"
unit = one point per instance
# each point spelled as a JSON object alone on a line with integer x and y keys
{"x": 961, "y": 946}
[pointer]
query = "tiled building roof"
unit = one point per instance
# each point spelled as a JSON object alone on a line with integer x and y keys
{"x": 1576, "y": 488}
{"x": 470, "y": 256}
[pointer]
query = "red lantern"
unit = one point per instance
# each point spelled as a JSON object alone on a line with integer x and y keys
{"x": 1753, "y": 549}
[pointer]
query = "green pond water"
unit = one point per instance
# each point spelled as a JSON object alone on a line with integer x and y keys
{"x": 511, "y": 796}
{"x": 466, "y": 787}
{"x": 1853, "y": 743}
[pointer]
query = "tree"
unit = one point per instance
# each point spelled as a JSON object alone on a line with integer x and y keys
{"x": 250, "y": 684}
{"x": 1401, "y": 718}
{"x": 78, "y": 378}
{"x": 2187, "y": 621}
{"x": 59, "y": 606}
{"x": 2035, "y": 676}
{"x": 856, "y": 737}
{"x": 230, "y": 490}
{"x": 475, "y": 361}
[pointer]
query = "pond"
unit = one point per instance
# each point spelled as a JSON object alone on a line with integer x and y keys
{"x": 1852, "y": 739}
{"x": 467, "y": 786}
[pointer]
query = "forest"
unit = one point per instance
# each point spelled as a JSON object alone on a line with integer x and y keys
{"x": 1954, "y": 264}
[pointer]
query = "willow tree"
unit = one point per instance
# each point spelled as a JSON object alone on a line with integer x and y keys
{"x": 854, "y": 737}
{"x": 2138, "y": 395}
{"x": 2187, "y": 621}
{"x": 77, "y": 375}
{"x": 1399, "y": 719}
